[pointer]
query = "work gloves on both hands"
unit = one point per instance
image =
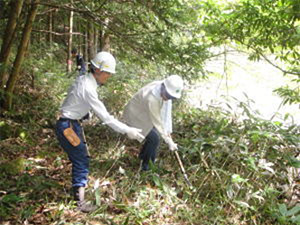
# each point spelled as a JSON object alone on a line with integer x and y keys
{"x": 134, "y": 133}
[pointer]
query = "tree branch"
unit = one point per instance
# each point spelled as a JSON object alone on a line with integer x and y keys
{"x": 58, "y": 34}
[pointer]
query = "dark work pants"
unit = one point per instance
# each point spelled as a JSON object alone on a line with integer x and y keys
{"x": 149, "y": 149}
{"x": 78, "y": 155}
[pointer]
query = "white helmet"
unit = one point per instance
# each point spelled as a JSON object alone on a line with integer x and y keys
{"x": 174, "y": 85}
{"x": 105, "y": 62}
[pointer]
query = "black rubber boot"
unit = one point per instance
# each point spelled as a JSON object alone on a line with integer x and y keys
{"x": 82, "y": 205}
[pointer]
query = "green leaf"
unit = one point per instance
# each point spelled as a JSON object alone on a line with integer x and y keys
{"x": 97, "y": 196}
{"x": 127, "y": 220}
{"x": 282, "y": 209}
{"x": 293, "y": 211}
{"x": 293, "y": 162}
{"x": 251, "y": 162}
{"x": 236, "y": 178}
{"x": 157, "y": 181}
{"x": 296, "y": 219}
{"x": 11, "y": 198}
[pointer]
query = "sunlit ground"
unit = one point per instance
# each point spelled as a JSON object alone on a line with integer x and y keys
{"x": 245, "y": 81}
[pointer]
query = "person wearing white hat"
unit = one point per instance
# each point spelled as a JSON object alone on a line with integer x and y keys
{"x": 150, "y": 110}
{"x": 83, "y": 97}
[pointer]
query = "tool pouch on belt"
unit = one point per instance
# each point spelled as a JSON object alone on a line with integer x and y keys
{"x": 72, "y": 137}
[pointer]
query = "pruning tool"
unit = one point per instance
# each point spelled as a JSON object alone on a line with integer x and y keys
{"x": 182, "y": 169}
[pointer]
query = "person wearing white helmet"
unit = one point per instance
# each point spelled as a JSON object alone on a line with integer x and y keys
{"x": 150, "y": 110}
{"x": 82, "y": 97}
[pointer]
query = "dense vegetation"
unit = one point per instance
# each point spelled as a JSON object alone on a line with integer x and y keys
{"x": 243, "y": 169}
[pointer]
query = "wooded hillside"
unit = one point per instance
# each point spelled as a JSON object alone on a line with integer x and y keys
{"x": 243, "y": 169}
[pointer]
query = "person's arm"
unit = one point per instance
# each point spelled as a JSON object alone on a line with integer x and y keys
{"x": 155, "y": 114}
{"x": 101, "y": 111}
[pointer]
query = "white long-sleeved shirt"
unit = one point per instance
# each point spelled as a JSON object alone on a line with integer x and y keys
{"x": 82, "y": 97}
{"x": 147, "y": 109}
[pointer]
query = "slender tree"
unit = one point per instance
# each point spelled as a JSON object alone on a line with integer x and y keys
{"x": 8, "y": 38}
{"x": 20, "y": 56}
{"x": 86, "y": 52}
{"x": 70, "y": 38}
{"x": 91, "y": 41}
{"x": 105, "y": 38}
{"x": 50, "y": 27}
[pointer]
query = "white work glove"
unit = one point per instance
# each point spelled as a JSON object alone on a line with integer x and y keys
{"x": 171, "y": 143}
{"x": 134, "y": 133}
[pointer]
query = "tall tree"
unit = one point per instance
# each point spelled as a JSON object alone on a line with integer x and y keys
{"x": 8, "y": 38}
{"x": 91, "y": 41}
{"x": 86, "y": 42}
{"x": 20, "y": 56}
{"x": 70, "y": 38}
{"x": 50, "y": 27}
{"x": 105, "y": 41}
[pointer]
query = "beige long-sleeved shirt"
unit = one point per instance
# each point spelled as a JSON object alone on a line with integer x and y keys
{"x": 147, "y": 109}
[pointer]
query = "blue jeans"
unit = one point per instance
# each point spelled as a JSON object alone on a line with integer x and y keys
{"x": 78, "y": 155}
{"x": 149, "y": 149}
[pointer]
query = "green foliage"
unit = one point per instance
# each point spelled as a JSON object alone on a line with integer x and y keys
{"x": 257, "y": 25}
{"x": 233, "y": 162}
{"x": 290, "y": 96}
{"x": 265, "y": 29}
{"x": 12, "y": 168}
{"x": 286, "y": 216}
{"x": 7, "y": 204}
{"x": 4, "y": 130}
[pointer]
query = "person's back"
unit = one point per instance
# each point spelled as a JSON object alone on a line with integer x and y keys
{"x": 137, "y": 112}
{"x": 76, "y": 104}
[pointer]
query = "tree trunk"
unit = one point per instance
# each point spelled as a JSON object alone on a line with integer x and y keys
{"x": 78, "y": 29}
{"x": 50, "y": 27}
{"x": 69, "y": 61}
{"x": 20, "y": 56}
{"x": 106, "y": 43}
{"x": 91, "y": 44}
{"x": 96, "y": 40}
{"x": 8, "y": 37}
{"x": 86, "y": 49}
{"x": 105, "y": 38}
{"x": 54, "y": 16}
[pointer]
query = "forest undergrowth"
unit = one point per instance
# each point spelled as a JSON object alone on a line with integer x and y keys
{"x": 242, "y": 171}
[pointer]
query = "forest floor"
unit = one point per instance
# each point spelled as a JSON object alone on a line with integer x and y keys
{"x": 36, "y": 181}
